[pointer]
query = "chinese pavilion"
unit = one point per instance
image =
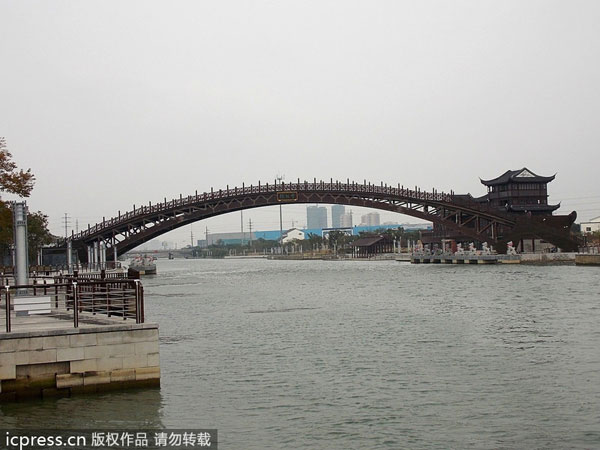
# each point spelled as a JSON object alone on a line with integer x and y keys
{"x": 523, "y": 195}
{"x": 519, "y": 192}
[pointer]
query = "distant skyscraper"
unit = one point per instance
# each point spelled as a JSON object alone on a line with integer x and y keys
{"x": 316, "y": 217}
{"x": 346, "y": 220}
{"x": 337, "y": 211}
{"x": 370, "y": 220}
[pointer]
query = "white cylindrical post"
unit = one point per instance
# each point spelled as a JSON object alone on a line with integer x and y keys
{"x": 20, "y": 238}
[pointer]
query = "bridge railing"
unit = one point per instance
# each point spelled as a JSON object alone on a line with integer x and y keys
{"x": 70, "y": 304}
{"x": 400, "y": 191}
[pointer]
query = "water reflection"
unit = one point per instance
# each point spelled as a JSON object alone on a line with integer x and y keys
{"x": 133, "y": 409}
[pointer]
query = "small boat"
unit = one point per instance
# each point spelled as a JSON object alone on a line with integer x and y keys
{"x": 142, "y": 265}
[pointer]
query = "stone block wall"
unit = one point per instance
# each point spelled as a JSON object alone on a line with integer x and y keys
{"x": 547, "y": 258}
{"x": 68, "y": 361}
{"x": 586, "y": 259}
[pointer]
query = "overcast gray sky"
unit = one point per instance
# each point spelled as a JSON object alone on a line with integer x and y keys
{"x": 113, "y": 103}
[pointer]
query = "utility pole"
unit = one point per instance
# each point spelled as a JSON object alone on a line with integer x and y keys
{"x": 242, "y": 225}
{"x": 280, "y": 178}
{"x": 67, "y": 221}
{"x": 192, "y": 236}
{"x": 250, "y": 229}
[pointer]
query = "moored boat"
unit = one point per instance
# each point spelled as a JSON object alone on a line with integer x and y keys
{"x": 142, "y": 265}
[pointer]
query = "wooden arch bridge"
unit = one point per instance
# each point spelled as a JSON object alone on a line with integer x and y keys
{"x": 454, "y": 212}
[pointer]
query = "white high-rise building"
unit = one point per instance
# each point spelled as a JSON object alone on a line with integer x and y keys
{"x": 337, "y": 211}
{"x": 316, "y": 217}
{"x": 346, "y": 220}
{"x": 370, "y": 220}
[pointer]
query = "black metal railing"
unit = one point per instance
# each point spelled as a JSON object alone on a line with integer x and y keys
{"x": 54, "y": 305}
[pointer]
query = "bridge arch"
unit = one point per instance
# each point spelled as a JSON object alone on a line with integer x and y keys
{"x": 127, "y": 231}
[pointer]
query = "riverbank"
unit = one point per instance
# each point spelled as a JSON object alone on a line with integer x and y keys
{"x": 584, "y": 259}
{"x": 67, "y": 361}
{"x": 523, "y": 258}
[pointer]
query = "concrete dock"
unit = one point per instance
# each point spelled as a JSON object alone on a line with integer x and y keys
{"x": 452, "y": 258}
{"x": 521, "y": 258}
{"x": 86, "y": 337}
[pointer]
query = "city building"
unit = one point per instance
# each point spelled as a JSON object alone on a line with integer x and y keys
{"x": 316, "y": 217}
{"x": 326, "y": 231}
{"x": 346, "y": 220}
{"x": 592, "y": 226}
{"x": 292, "y": 234}
{"x": 370, "y": 220}
{"x": 234, "y": 238}
{"x": 337, "y": 211}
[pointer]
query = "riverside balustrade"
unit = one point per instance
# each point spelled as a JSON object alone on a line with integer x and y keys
{"x": 65, "y": 302}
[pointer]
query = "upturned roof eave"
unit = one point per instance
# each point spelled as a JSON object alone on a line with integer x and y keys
{"x": 510, "y": 175}
{"x": 535, "y": 207}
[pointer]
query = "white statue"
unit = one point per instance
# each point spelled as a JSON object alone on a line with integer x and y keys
{"x": 510, "y": 249}
{"x": 485, "y": 250}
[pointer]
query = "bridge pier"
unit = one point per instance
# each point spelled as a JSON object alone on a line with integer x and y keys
{"x": 102, "y": 254}
{"x": 70, "y": 256}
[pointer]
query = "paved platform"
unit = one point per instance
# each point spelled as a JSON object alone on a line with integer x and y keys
{"x": 57, "y": 322}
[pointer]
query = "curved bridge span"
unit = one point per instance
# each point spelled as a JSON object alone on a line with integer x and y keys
{"x": 127, "y": 231}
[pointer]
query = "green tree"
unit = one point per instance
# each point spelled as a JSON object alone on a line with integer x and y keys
{"x": 314, "y": 241}
{"x": 37, "y": 227}
{"x": 337, "y": 240}
{"x": 19, "y": 182}
{"x": 12, "y": 180}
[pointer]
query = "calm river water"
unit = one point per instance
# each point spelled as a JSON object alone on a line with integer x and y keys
{"x": 348, "y": 355}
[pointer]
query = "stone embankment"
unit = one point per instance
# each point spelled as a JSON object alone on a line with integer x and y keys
{"x": 63, "y": 362}
{"x": 587, "y": 259}
{"x": 547, "y": 258}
